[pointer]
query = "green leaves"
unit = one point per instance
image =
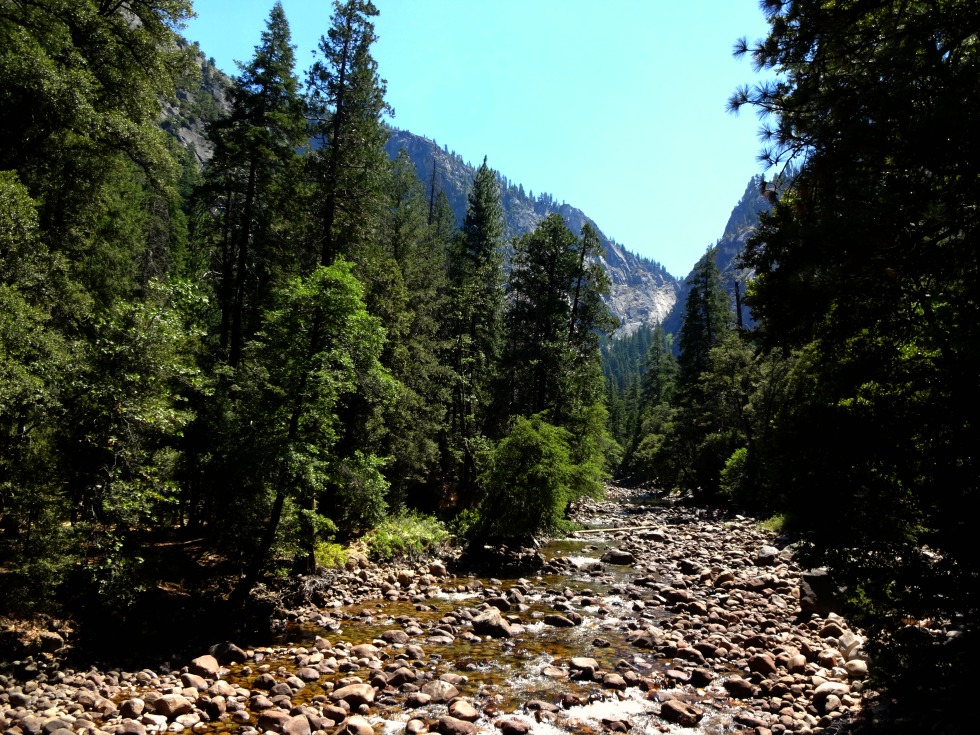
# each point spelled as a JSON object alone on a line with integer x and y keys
{"x": 530, "y": 480}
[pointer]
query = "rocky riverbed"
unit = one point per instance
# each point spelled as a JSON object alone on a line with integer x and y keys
{"x": 669, "y": 620}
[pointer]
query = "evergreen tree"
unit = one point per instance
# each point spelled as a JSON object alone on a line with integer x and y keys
{"x": 707, "y": 316}
{"x": 554, "y": 317}
{"x": 659, "y": 370}
{"x": 475, "y": 274}
{"x": 346, "y": 98}
{"x": 868, "y": 267}
{"x": 252, "y": 182}
{"x": 418, "y": 251}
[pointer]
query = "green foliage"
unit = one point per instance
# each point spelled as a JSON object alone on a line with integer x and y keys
{"x": 252, "y": 186}
{"x": 346, "y": 102}
{"x": 317, "y": 347}
{"x": 707, "y": 316}
{"x": 734, "y": 476}
{"x": 868, "y": 266}
{"x": 407, "y": 535}
{"x": 330, "y": 555}
{"x": 776, "y": 523}
{"x": 530, "y": 480}
{"x": 473, "y": 328}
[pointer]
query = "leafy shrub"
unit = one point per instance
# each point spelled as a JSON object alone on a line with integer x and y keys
{"x": 330, "y": 555}
{"x": 733, "y": 475}
{"x": 776, "y": 523}
{"x": 530, "y": 482}
{"x": 406, "y": 535}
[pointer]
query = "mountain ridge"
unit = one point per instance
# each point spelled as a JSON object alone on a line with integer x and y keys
{"x": 642, "y": 292}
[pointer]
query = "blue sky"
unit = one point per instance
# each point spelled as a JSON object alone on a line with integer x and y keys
{"x": 616, "y": 107}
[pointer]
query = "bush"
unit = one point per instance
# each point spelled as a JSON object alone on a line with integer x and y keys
{"x": 406, "y": 535}
{"x": 330, "y": 556}
{"x": 530, "y": 482}
{"x": 733, "y": 476}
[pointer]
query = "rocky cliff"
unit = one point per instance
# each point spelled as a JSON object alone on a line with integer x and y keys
{"x": 740, "y": 227}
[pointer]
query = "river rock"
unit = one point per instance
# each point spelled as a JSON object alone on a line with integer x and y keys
{"x": 130, "y": 727}
{"x": 680, "y": 713}
{"x": 228, "y": 653}
{"x": 206, "y": 666}
{"x": 440, "y": 691}
{"x": 614, "y": 681}
{"x": 837, "y": 688}
{"x": 454, "y": 726}
{"x": 193, "y": 681}
{"x": 354, "y": 694}
{"x": 405, "y": 577}
{"x": 297, "y": 725}
{"x": 131, "y": 709}
{"x": 365, "y": 650}
{"x": 856, "y": 668}
{"x": 558, "y": 621}
{"x": 513, "y": 726}
{"x": 307, "y": 673}
{"x": 796, "y": 664}
{"x": 264, "y": 681}
{"x": 395, "y": 636}
{"x": 619, "y": 557}
{"x": 617, "y": 724}
{"x": 492, "y": 623}
{"x": 274, "y": 720}
{"x": 172, "y": 705}
{"x": 463, "y": 710}
{"x": 583, "y": 668}
{"x": 649, "y": 638}
{"x": 819, "y": 594}
{"x": 739, "y": 687}
{"x": 763, "y": 663}
{"x": 766, "y": 556}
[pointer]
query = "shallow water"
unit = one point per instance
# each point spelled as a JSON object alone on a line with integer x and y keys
{"x": 503, "y": 675}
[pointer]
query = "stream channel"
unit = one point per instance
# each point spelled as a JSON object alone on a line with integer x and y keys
{"x": 579, "y": 605}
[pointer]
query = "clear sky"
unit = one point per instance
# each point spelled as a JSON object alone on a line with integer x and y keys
{"x": 614, "y": 106}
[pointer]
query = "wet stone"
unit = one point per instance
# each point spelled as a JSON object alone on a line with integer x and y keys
{"x": 463, "y": 710}
{"x": 680, "y": 713}
{"x": 453, "y": 726}
{"x": 513, "y": 726}
{"x": 440, "y": 691}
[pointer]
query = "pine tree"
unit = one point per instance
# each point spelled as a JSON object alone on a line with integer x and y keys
{"x": 473, "y": 331}
{"x": 867, "y": 266}
{"x": 707, "y": 316}
{"x": 346, "y": 97}
{"x": 417, "y": 249}
{"x": 554, "y": 317}
{"x": 252, "y": 181}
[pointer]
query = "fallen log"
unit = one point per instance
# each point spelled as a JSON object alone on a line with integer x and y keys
{"x": 610, "y": 530}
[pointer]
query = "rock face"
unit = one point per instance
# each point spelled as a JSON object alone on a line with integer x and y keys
{"x": 740, "y": 227}
{"x": 642, "y": 293}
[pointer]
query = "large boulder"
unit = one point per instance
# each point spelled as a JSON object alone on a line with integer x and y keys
{"x": 205, "y": 666}
{"x": 819, "y": 594}
{"x": 492, "y": 623}
{"x": 680, "y": 713}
